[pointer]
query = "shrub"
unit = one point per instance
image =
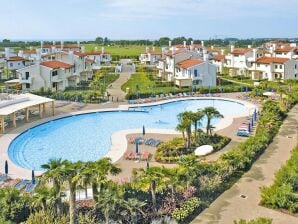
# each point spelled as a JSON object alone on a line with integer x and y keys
{"x": 186, "y": 209}
{"x": 255, "y": 221}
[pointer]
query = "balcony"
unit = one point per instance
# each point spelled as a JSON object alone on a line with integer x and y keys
{"x": 26, "y": 81}
{"x": 57, "y": 78}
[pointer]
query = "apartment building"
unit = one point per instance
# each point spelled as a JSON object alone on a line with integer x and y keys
{"x": 150, "y": 57}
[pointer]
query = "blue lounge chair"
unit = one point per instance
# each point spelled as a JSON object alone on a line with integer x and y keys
{"x": 22, "y": 184}
{"x": 30, "y": 187}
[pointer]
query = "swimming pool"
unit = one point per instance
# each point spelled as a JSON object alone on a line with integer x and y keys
{"x": 87, "y": 137}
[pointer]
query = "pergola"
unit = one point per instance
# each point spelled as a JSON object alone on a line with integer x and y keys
{"x": 10, "y": 104}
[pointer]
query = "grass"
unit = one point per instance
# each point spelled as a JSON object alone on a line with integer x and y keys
{"x": 145, "y": 83}
{"x": 129, "y": 51}
{"x": 240, "y": 79}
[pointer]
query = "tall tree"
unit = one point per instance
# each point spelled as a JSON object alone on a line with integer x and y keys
{"x": 211, "y": 113}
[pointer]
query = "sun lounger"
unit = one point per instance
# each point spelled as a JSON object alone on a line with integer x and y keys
{"x": 30, "y": 187}
{"x": 133, "y": 156}
{"x": 22, "y": 184}
{"x": 3, "y": 178}
{"x": 127, "y": 155}
{"x": 145, "y": 156}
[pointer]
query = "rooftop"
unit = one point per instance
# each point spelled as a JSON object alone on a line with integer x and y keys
{"x": 269, "y": 60}
{"x": 189, "y": 63}
{"x": 239, "y": 51}
{"x": 16, "y": 58}
{"x": 56, "y": 64}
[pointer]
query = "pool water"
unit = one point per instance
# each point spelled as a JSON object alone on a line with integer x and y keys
{"x": 87, "y": 137}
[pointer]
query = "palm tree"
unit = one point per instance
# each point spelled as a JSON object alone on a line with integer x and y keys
{"x": 185, "y": 122}
{"x": 134, "y": 206}
{"x": 182, "y": 127}
{"x": 210, "y": 113}
{"x": 53, "y": 174}
{"x": 43, "y": 198}
{"x": 196, "y": 120}
{"x": 153, "y": 178}
{"x": 96, "y": 174}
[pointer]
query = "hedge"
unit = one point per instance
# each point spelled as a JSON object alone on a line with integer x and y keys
{"x": 186, "y": 209}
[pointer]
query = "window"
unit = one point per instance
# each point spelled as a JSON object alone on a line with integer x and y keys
{"x": 276, "y": 66}
{"x": 27, "y": 86}
{"x": 54, "y": 73}
{"x": 280, "y": 66}
{"x": 11, "y": 64}
{"x": 19, "y": 63}
{"x": 196, "y": 73}
{"x": 27, "y": 75}
{"x": 295, "y": 66}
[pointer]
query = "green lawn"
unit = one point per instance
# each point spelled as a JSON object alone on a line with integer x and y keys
{"x": 129, "y": 51}
{"x": 146, "y": 83}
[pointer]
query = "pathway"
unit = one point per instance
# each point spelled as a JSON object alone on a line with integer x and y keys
{"x": 115, "y": 89}
{"x": 230, "y": 206}
{"x": 234, "y": 81}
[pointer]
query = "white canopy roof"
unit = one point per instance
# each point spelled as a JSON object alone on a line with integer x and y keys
{"x": 19, "y": 102}
{"x": 203, "y": 150}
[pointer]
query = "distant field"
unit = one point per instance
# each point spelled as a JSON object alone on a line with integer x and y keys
{"x": 130, "y": 51}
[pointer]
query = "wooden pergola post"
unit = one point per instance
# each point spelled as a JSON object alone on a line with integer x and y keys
{"x": 40, "y": 111}
{"x": 53, "y": 108}
{"x": 14, "y": 120}
{"x": 2, "y": 124}
{"x": 27, "y": 114}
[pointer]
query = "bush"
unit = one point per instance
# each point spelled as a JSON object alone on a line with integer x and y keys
{"x": 283, "y": 193}
{"x": 255, "y": 221}
{"x": 187, "y": 209}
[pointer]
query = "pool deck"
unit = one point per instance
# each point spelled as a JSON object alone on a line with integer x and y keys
{"x": 119, "y": 140}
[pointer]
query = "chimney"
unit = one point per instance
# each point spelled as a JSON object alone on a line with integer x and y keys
{"x": 205, "y": 55}
{"x": 170, "y": 43}
{"x": 54, "y": 49}
{"x": 21, "y": 53}
{"x": 71, "y": 57}
{"x": 83, "y": 49}
{"x": 78, "y": 43}
{"x": 62, "y": 45}
{"x": 7, "y": 53}
{"x": 232, "y": 48}
{"x": 38, "y": 55}
{"x": 184, "y": 44}
{"x": 222, "y": 51}
{"x": 173, "y": 51}
{"x": 248, "y": 46}
{"x": 54, "y": 43}
{"x": 191, "y": 42}
{"x": 212, "y": 47}
{"x": 254, "y": 54}
{"x": 41, "y": 44}
{"x": 202, "y": 43}
{"x": 282, "y": 46}
{"x": 102, "y": 50}
{"x": 274, "y": 47}
{"x": 147, "y": 49}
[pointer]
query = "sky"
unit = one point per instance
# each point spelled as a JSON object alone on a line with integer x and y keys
{"x": 147, "y": 19}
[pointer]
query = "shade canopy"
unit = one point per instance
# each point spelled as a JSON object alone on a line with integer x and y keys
{"x": 203, "y": 150}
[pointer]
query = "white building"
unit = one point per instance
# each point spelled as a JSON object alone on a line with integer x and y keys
{"x": 286, "y": 51}
{"x": 150, "y": 57}
{"x": 100, "y": 57}
{"x": 219, "y": 61}
{"x": 272, "y": 68}
{"x": 195, "y": 72}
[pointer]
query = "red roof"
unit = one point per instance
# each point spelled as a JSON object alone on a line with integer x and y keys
{"x": 56, "y": 64}
{"x": 33, "y": 51}
{"x": 170, "y": 53}
{"x": 80, "y": 54}
{"x": 17, "y": 58}
{"x": 153, "y": 52}
{"x": 269, "y": 60}
{"x": 59, "y": 46}
{"x": 97, "y": 53}
{"x": 284, "y": 49}
{"x": 189, "y": 63}
{"x": 239, "y": 51}
{"x": 214, "y": 50}
{"x": 89, "y": 60}
{"x": 219, "y": 57}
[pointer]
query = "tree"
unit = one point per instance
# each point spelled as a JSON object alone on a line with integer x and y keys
{"x": 95, "y": 173}
{"x": 152, "y": 178}
{"x": 210, "y": 113}
{"x": 196, "y": 120}
{"x": 164, "y": 41}
{"x": 134, "y": 206}
{"x": 185, "y": 122}
{"x": 99, "y": 40}
{"x": 53, "y": 174}
{"x": 43, "y": 198}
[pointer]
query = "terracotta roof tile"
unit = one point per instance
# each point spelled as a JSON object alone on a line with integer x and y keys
{"x": 189, "y": 63}
{"x": 239, "y": 51}
{"x": 285, "y": 49}
{"x": 269, "y": 60}
{"x": 219, "y": 57}
{"x": 89, "y": 60}
{"x": 170, "y": 53}
{"x": 16, "y": 58}
{"x": 56, "y": 64}
{"x": 80, "y": 54}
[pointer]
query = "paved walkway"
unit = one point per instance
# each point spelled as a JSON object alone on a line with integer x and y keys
{"x": 230, "y": 206}
{"x": 115, "y": 89}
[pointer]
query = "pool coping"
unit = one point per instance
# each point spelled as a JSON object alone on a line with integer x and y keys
{"x": 118, "y": 139}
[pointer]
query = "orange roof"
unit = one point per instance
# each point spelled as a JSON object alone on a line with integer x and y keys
{"x": 219, "y": 57}
{"x": 56, "y": 64}
{"x": 214, "y": 50}
{"x": 89, "y": 60}
{"x": 241, "y": 50}
{"x": 33, "y": 51}
{"x": 80, "y": 54}
{"x": 269, "y": 60}
{"x": 97, "y": 53}
{"x": 284, "y": 49}
{"x": 16, "y": 58}
{"x": 153, "y": 52}
{"x": 170, "y": 53}
{"x": 59, "y": 46}
{"x": 189, "y": 63}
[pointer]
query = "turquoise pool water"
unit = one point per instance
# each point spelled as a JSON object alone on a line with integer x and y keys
{"x": 87, "y": 137}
